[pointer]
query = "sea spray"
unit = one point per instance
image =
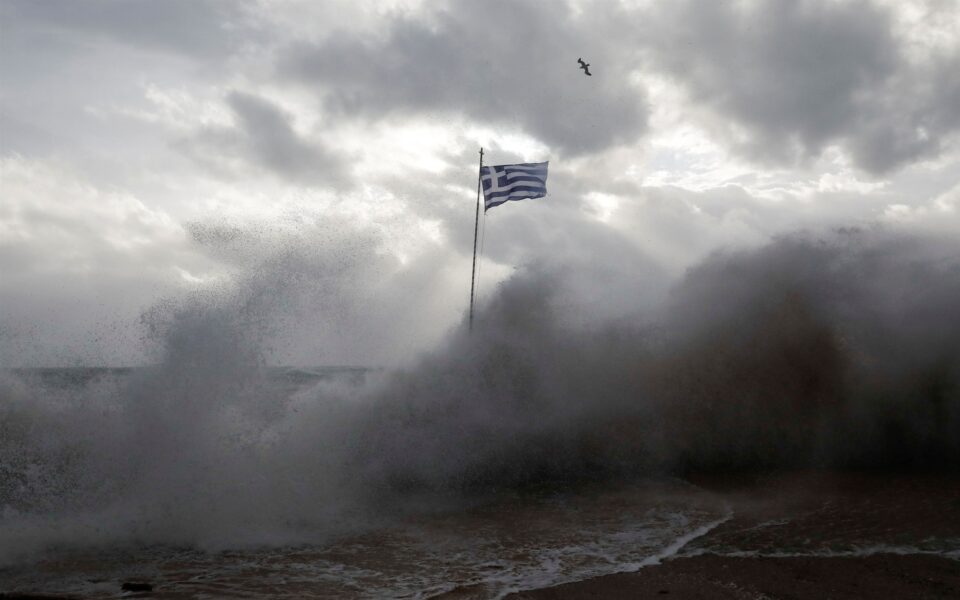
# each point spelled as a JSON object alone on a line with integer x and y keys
{"x": 838, "y": 350}
{"x": 841, "y": 351}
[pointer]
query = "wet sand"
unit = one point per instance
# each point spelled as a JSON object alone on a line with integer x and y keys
{"x": 718, "y": 577}
{"x": 808, "y": 536}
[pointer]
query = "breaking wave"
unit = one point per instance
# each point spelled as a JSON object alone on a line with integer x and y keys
{"x": 831, "y": 351}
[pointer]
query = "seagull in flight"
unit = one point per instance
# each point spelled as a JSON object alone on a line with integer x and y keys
{"x": 585, "y": 67}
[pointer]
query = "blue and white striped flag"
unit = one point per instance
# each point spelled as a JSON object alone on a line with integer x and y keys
{"x": 513, "y": 182}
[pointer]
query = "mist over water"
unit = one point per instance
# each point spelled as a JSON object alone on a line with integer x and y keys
{"x": 840, "y": 350}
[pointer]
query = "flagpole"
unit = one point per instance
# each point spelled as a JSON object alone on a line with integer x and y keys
{"x": 476, "y": 225}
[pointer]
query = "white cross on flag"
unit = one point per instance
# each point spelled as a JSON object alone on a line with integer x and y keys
{"x": 513, "y": 182}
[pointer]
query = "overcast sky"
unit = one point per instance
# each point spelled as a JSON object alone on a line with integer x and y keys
{"x": 152, "y": 151}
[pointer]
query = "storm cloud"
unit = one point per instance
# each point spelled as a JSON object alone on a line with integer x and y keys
{"x": 502, "y": 63}
{"x": 797, "y": 77}
{"x": 263, "y": 137}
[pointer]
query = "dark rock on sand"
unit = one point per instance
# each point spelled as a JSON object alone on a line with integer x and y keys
{"x": 4, "y": 596}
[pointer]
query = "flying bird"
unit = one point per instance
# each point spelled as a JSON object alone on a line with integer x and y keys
{"x": 584, "y": 66}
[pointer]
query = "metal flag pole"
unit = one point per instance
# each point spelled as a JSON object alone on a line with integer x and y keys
{"x": 476, "y": 224}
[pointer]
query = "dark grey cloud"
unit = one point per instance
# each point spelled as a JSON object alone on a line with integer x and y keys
{"x": 502, "y": 63}
{"x": 273, "y": 142}
{"x": 265, "y": 137}
{"x": 800, "y": 76}
{"x": 911, "y": 118}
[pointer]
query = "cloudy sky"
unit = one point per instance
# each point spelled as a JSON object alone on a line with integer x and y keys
{"x": 150, "y": 151}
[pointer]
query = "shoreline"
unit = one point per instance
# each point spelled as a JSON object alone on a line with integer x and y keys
{"x": 807, "y": 535}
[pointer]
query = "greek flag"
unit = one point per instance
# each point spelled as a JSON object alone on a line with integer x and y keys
{"x": 513, "y": 182}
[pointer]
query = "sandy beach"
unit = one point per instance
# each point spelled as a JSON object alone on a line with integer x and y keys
{"x": 809, "y": 536}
